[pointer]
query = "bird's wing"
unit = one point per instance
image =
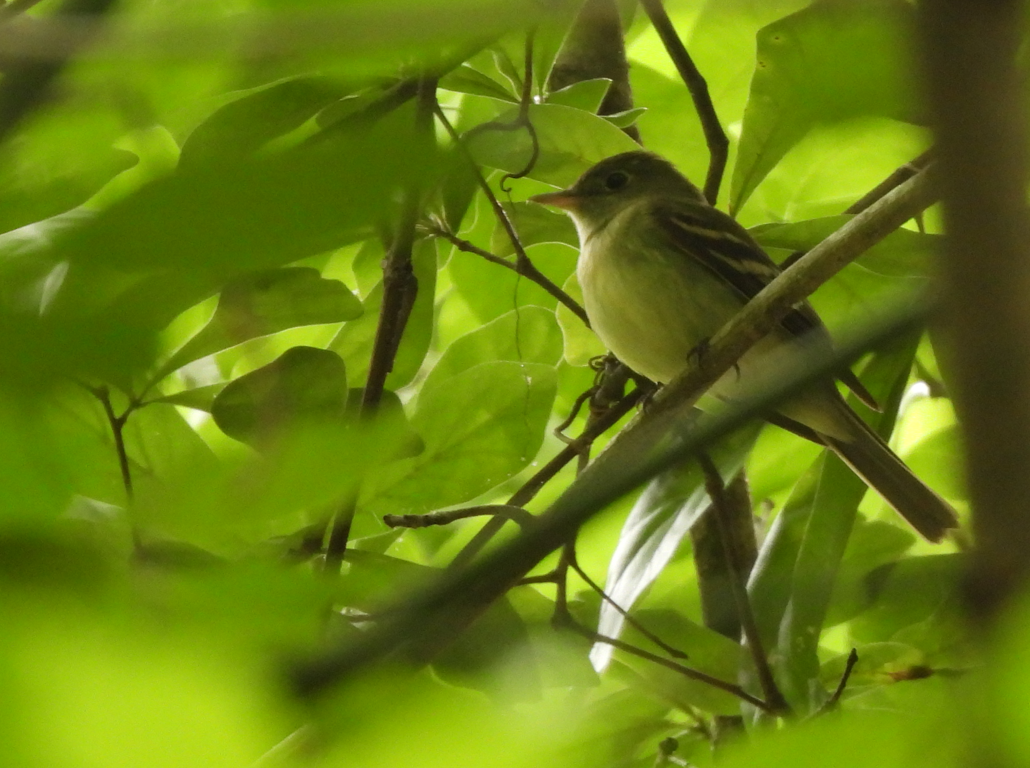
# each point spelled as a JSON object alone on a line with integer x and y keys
{"x": 724, "y": 248}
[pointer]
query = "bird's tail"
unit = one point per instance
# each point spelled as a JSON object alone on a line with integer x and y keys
{"x": 870, "y": 457}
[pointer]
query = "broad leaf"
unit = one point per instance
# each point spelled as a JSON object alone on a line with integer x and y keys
{"x": 304, "y": 385}
{"x": 570, "y": 141}
{"x": 834, "y": 60}
{"x": 662, "y": 516}
{"x": 264, "y": 303}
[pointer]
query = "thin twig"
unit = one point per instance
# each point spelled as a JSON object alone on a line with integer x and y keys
{"x": 445, "y": 517}
{"x": 566, "y": 620}
{"x": 896, "y": 179}
{"x": 523, "y": 120}
{"x": 523, "y": 267}
{"x": 715, "y": 136}
{"x": 752, "y": 637}
{"x": 118, "y": 433}
{"x": 532, "y": 486}
{"x": 676, "y": 653}
{"x": 399, "y": 291}
{"x": 834, "y": 700}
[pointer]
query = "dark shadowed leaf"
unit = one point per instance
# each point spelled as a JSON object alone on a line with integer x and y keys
{"x": 303, "y": 385}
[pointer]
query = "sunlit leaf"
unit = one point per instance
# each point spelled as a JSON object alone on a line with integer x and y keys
{"x": 570, "y": 141}
{"x": 662, "y": 516}
{"x": 586, "y": 94}
{"x": 833, "y": 60}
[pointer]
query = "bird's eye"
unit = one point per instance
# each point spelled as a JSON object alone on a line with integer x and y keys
{"x": 616, "y": 180}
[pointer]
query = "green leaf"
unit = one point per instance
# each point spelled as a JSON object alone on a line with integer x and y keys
{"x": 626, "y": 118}
{"x": 534, "y": 224}
{"x": 467, "y": 79}
{"x": 826, "y": 535}
{"x": 663, "y": 514}
{"x": 586, "y": 94}
{"x": 708, "y": 652}
{"x": 242, "y": 127}
{"x": 266, "y": 302}
{"x": 834, "y": 60}
{"x": 31, "y": 190}
{"x": 480, "y": 427}
{"x": 570, "y": 140}
{"x": 199, "y": 398}
{"x": 527, "y": 335}
{"x": 304, "y": 384}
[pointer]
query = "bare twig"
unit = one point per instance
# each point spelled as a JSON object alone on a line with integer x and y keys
{"x": 117, "y": 424}
{"x": 445, "y": 517}
{"x": 523, "y": 121}
{"x": 737, "y": 583}
{"x": 896, "y": 179}
{"x": 573, "y": 563}
{"x": 532, "y": 486}
{"x": 834, "y": 700}
{"x": 715, "y": 136}
{"x": 566, "y": 620}
{"x": 523, "y": 267}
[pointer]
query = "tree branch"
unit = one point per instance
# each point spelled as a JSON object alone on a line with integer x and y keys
{"x": 399, "y": 291}
{"x": 715, "y": 136}
{"x": 973, "y": 54}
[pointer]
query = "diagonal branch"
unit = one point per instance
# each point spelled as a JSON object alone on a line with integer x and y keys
{"x": 399, "y": 291}
{"x": 715, "y": 136}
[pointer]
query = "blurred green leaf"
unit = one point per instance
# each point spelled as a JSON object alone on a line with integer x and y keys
{"x": 304, "y": 384}
{"x": 834, "y": 60}
{"x": 243, "y": 126}
{"x": 264, "y": 303}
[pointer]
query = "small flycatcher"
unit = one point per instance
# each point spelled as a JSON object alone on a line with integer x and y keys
{"x": 662, "y": 270}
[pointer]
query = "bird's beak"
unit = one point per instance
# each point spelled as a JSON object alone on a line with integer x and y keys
{"x": 565, "y": 199}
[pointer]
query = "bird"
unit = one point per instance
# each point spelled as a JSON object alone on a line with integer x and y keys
{"x": 662, "y": 270}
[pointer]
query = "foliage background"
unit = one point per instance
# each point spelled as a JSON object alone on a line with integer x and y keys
{"x": 195, "y": 224}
